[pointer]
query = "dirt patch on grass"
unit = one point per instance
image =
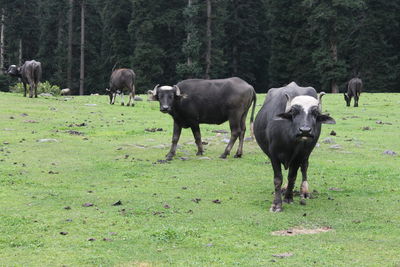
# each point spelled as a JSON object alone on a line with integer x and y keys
{"x": 301, "y": 231}
{"x": 136, "y": 264}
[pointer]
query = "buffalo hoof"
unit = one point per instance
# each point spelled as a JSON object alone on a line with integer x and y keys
{"x": 169, "y": 156}
{"x": 305, "y": 195}
{"x": 223, "y": 156}
{"x": 288, "y": 200}
{"x": 122, "y": 104}
{"x": 276, "y": 208}
{"x": 237, "y": 156}
{"x": 199, "y": 153}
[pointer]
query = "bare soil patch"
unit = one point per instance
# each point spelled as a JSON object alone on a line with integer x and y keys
{"x": 302, "y": 231}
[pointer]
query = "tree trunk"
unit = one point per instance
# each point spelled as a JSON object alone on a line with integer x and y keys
{"x": 82, "y": 70}
{"x": 2, "y": 41}
{"x": 20, "y": 52}
{"x": 334, "y": 86}
{"x": 189, "y": 59}
{"x": 334, "y": 54}
{"x": 234, "y": 47}
{"x": 70, "y": 33}
{"x": 208, "y": 36}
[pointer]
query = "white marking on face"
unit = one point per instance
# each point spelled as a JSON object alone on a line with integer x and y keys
{"x": 305, "y": 101}
{"x": 166, "y": 88}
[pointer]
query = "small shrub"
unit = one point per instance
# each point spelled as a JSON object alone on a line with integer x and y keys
{"x": 43, "y": 87}
{"x": 5, "y": 83}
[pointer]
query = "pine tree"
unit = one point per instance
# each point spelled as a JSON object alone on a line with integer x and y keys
{"x": 329, "y": 21}
{"x": 191, "y": 47}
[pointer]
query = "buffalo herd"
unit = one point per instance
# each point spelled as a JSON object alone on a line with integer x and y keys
{"x": 286, "y": 128}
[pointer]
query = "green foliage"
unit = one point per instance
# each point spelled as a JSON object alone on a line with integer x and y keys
{"x": 43, "y": 87}
{"x": 266, "y": 42}
{"x": 5, "y": 83}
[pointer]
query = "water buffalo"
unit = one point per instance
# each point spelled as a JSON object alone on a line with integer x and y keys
{"x": 30, "y": 73}
{"x": 122, "y": 80}
{"x": 287, "y": 127}
{"x": 195, "y": 101}
{"x": 354, "y": 88}
{"x": 65, "y": 91}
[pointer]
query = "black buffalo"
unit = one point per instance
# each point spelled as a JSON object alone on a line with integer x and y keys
{"x": 195, "y": 101}
{"x": 122, "y": 81}
{"x": 287, "y": 128}
{"x": 354, "y": 88}
{"x": 30, "y": 73}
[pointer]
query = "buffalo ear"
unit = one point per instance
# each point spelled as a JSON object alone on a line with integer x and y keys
{"x": 151, "y": 96}
{"x": 326, "y": 119}
{"x": 284, "y": 116}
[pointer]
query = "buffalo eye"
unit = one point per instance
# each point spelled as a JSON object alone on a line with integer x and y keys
{"x": 315, "y": 112}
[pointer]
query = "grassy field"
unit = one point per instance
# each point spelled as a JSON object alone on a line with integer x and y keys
{"x": 64, "y": 162}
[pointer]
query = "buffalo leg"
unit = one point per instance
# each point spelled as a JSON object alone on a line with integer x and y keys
{"x": 197, "y": 138}
{"x": 175, "y": 139}
{"x": 132, "y": 94}
{"x": 36, "y": 85}
{"x": 277, "y": 204}
{"x": 122, "y": 99}
{"x": 304, "y": 193}
{"x": 356, "y": 101}
{"x": 239, "y": 152}
{"x": 235, "y": 132}
{"x": 130, "y": 100}
{"x": 291, "y": 181}
{"x": 114, "y": 95}
{"x": 31, "y": 88}
{"x": 24, "y": 89}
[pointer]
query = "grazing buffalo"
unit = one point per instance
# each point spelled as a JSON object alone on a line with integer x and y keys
{"x": 195, "y": 101}
{"x": 122, "y": 80}
{"x": 30, "y": 73}
{"x": 354, "y": 88}
{"x": 287, "y": 128}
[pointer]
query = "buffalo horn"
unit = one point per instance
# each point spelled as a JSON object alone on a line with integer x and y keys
{"x": 178, "y": 91}
{"x": 288, "y": 106}
{"x": 155, "y": 90}
{"x": 320, "y": 95}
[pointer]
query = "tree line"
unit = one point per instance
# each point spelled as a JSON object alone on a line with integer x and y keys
{"x": 269, "y": 43}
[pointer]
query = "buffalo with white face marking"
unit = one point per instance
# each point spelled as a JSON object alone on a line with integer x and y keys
{"x": 354, "y": 88}
{"x": 30, "y": 73}
{"x": 287, "y": 129}
{"x": 122, "y": 81}
{"x": 195, "y": 101}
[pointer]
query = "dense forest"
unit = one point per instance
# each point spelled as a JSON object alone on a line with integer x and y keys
{"x": 322, "y": 43}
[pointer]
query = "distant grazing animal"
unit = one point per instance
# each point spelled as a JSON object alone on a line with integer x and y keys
{"x": 195, "y": 101}
{"x": 354, "y": 88}
{"x": 287, "y": 127}
{"x": 122, "y": 80}
{"x": 65, "y": 91}
{"x": 30, "y": 73}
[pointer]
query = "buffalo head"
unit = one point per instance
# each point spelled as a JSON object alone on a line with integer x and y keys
{"x": 166, "y": 95}
{"x": 14, "y": 71}
{"x": 304, "y": 113}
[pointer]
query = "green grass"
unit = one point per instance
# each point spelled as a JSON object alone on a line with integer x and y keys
{"x": 158, "y": 224}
